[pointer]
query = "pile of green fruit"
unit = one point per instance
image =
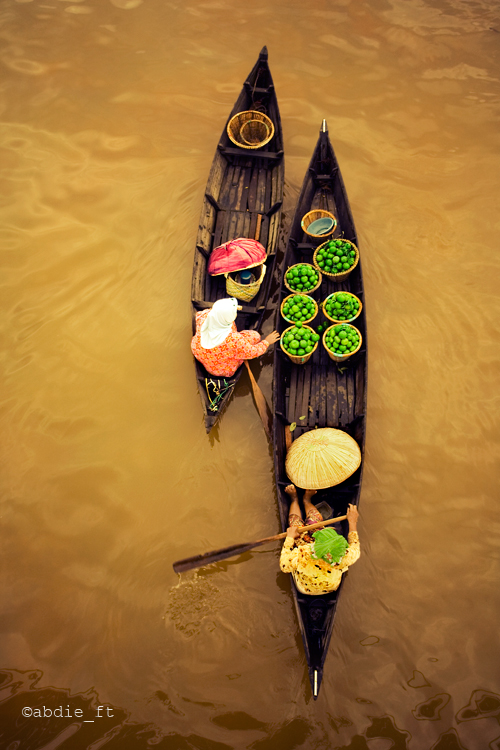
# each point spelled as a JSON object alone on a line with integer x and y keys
{"x": 342, "y": 339}
{"x": 341, "y": 306}
{"x": 302, "y": 277}
{"x": 298, "y": 308}
{"x": 335, "y": 256}
{"x": 299, "y": 340}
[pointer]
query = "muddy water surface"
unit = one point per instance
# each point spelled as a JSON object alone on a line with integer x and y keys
{"x": 110, "y": 115}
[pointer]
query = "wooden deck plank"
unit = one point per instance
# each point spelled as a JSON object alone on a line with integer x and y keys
{"x": 342, "y": 399}
{"x": 322, "y": 396}
{"x": 246, "y": 187}
{"x": 332, "y": 418}
{"x": 252, "y": 188}
{"x": 219, "y": 229}
{"x": 292, "y": 405}
{"x": 260, "y": 196}
{"x": 264, "y": 231}
{"x": 236, "y": 190}
{"x": 246, "y": 224}
{"x": 226, "y": 187}
{"x": 305, "y": 396}
{"x": 269, "y": 189}
{"x": 359, "y": 386}
{"x": 350, "y": 394}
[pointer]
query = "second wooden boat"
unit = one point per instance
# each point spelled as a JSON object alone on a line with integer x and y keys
{"x": 320, "y": 393}
{"x": 243, "y": 198}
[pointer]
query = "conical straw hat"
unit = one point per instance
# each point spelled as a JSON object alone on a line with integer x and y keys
{"x": 322, "y": 458}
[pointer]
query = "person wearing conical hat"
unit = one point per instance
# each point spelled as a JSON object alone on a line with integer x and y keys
{"x": 219, "y": 346}
{"x": 318, "y": 561}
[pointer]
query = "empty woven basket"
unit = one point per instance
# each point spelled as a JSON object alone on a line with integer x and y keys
{"x": 244, "y": 135}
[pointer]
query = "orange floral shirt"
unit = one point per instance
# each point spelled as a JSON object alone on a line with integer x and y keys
{"x": 223, "y": 360}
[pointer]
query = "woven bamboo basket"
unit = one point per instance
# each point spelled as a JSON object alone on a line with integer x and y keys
{"x": 288, "y": 320}
{"x": 323, "y": 309}
{"x": 322, "y": 458}
{"x": 245, "y": 292}
{"x": 318, "y": 213}
{"x": 342, "y": 357}
{"x": 343, "y": 274}
{"x": 236, "y": 123}
{"x": 309, "y": 290}
{"x": 254, "y": 132}
{"x": 293, "y": 357}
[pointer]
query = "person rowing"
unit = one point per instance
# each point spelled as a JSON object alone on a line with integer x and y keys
{"x": 219, "y": 346}
{"x": 318, "y": 561}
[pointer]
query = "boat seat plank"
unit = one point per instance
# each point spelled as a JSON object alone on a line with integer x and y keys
{"x": 236, "y": 152}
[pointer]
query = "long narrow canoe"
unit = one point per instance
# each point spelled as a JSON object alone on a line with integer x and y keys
{"x": 243, "y": 198}
{"x": 319, "y": 393}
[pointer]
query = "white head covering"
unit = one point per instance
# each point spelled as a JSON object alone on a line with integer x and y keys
{"x": 219, "y": 322}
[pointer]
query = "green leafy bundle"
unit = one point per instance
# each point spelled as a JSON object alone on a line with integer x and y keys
{"x": 329, "y": 546}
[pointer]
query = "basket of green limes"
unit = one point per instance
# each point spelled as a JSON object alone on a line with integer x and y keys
{"x": 336, "y": 258}
{"x": 299, "y": 342}
{"x": 342, "y": 307}
{"x": 342, "y": 341}
{"x": 299, "y": 308}
{"x": 302, "y": 277}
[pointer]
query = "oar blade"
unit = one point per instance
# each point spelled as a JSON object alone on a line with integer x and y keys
{"x": 261, "y": 404}
{"x": 199, "y": 561}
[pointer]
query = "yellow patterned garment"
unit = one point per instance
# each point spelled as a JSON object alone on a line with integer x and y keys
{"x": 316, "y": 576}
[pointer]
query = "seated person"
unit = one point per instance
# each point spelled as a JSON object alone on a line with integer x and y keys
{"x": 317, "y": 562}
{"x": 218, "y": 345}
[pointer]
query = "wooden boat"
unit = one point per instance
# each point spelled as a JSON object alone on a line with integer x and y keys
{"x": 319, "y": 393}
{"x": 243, "y": 198}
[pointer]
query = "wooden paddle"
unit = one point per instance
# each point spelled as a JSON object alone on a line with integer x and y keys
{"x": 198, "y": 561}
{"x": 261, "y": 403}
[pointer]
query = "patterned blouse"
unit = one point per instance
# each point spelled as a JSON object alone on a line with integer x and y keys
{"x": 223, "y": 360}
{"x": 316, "y": 576}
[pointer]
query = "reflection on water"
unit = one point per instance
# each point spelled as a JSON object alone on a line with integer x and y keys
{"x": 110, "y": 115}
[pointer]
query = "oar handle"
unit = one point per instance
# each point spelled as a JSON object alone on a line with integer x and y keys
{"x": 309, "y": 527}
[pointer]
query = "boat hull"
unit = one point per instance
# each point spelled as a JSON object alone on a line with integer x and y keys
{"x": 320, "y": 393}
{"x": 243, "y": 198}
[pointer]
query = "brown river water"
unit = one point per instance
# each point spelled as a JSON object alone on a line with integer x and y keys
{"x": 110, "y": 115}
